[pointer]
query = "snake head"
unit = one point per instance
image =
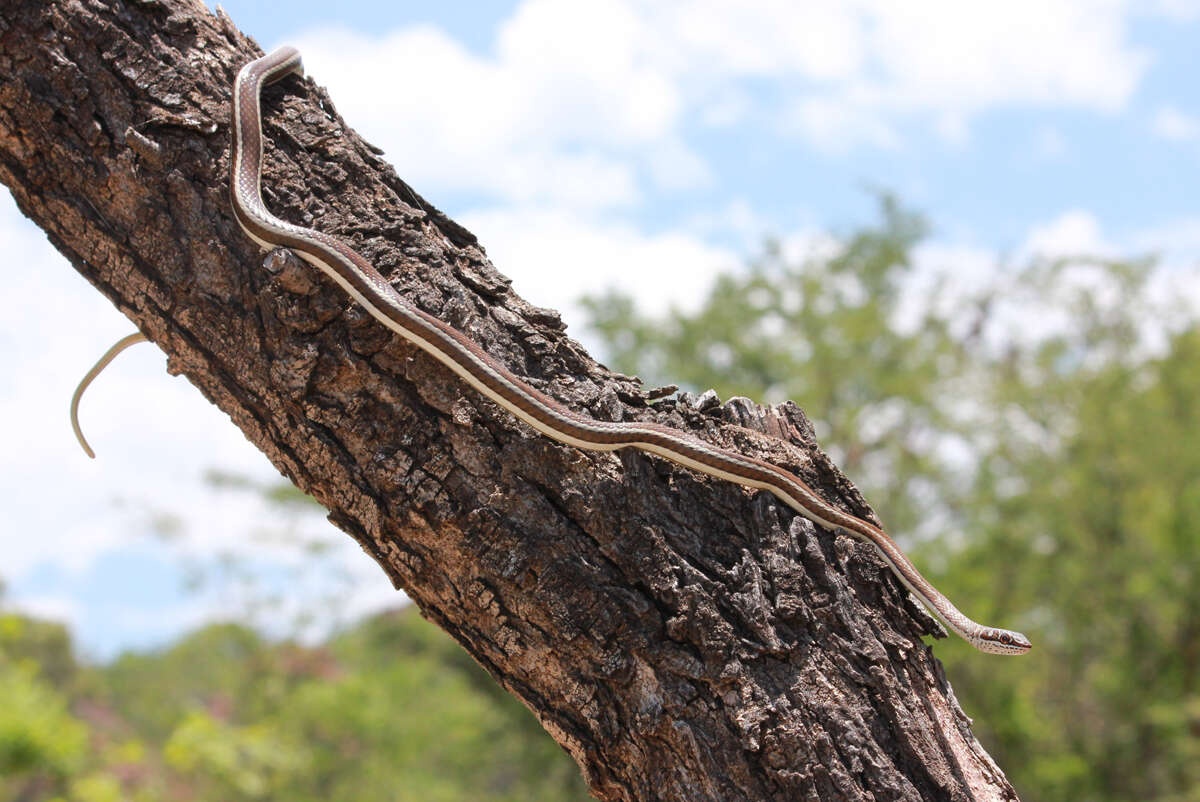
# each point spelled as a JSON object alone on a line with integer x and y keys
{"x": 1001, "y": 641}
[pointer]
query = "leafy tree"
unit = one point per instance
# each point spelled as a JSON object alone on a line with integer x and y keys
{"x": 412, "y": 718}
{"x": 388, "y": 709}
{"x": 205, "y": 670}
{"x": 1089, "y": 508}
{"x": 43, "y": 644}
{"x": 41, "y": 744}
{"x": 227, "y": 761}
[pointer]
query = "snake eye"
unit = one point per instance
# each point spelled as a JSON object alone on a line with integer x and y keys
{"x": 1006, "y": 639}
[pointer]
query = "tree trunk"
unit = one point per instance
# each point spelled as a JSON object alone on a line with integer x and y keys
{"x": 683, "y": 638}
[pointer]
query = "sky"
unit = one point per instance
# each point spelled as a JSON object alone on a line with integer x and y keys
{"x": 660, "y": 142}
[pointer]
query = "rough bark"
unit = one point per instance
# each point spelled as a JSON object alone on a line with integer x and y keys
{"x": 683, "y": 638}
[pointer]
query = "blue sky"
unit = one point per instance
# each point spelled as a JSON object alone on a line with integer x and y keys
{"x": 659, "y": 142}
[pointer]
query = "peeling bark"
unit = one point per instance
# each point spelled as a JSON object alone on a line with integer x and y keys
{"x": 683, "y": 638}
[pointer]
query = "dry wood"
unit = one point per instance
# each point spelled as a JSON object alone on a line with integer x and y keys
{"x": 682, "y": 638}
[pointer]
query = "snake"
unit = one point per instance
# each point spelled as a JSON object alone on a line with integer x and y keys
{"x": 366, "y": 285}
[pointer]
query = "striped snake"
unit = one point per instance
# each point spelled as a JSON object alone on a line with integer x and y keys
{"x": 367, "y": 286}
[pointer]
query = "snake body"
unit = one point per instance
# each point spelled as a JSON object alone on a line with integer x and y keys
{"x": 483, "y": 372}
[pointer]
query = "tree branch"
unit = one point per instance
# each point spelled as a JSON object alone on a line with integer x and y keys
{"x": 682, "y": 638}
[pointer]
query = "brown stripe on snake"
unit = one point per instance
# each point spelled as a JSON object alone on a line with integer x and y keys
{"x": 467, "y": 359}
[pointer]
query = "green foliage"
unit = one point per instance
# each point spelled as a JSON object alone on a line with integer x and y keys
{"x": 457, "y": 733}
{"x": 44, "y": 644}
{"x": 97, "y": 788}
{"x": 218, "y": 662}
{"x": 390, "y": 709}
{"x": 40, "y": 743}
{"x": 1062, "y": 472}
{"x": 1101, "y": 542}
{"x": 226, "y": 761}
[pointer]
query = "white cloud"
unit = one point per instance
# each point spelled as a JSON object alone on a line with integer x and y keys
{"x": 1073, "y": 233}
{"x": 1078, "y": 233}
{"x": 578, "y": 103}
{"x": 854, "y": 70}
{"x": 942, "y": 54}
{"x": 940, "y": 62}
{"x": 591, "y": 63}
{"x": 555, "y": 256}
{"x": 838, "y": 124}
{"x": 758, "y": 38}
{"x": 571, "y": 110}
{"x": 1171, "y": 123}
